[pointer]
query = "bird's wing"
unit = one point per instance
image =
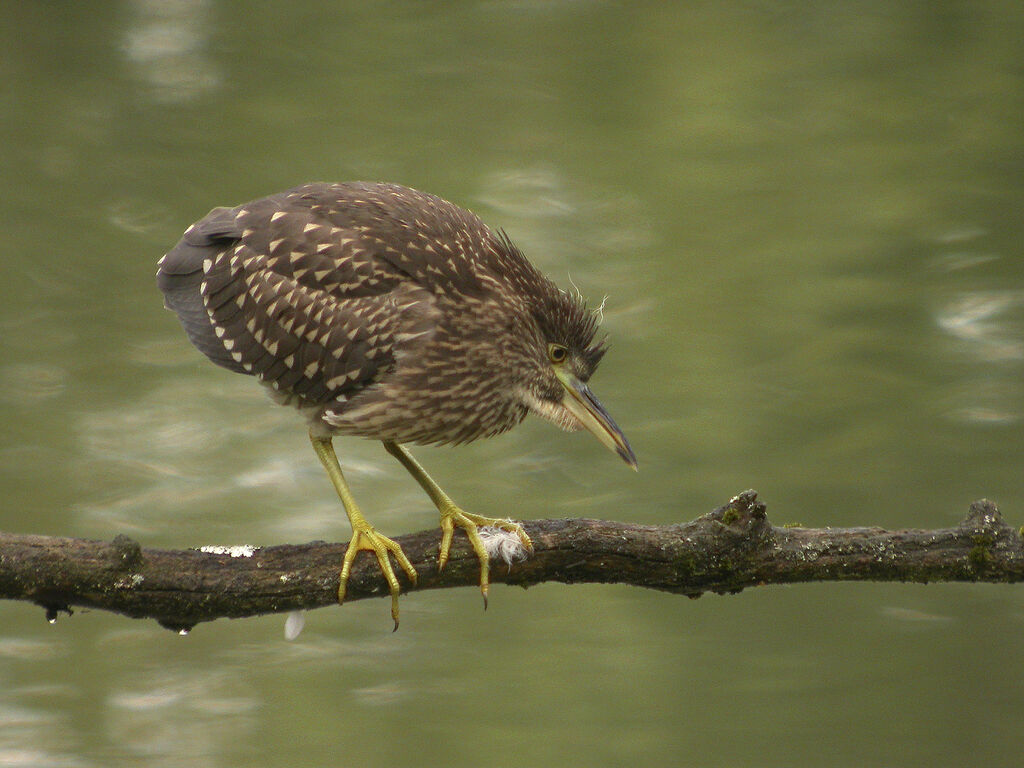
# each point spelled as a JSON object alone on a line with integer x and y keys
{"x": 306, "y": 306}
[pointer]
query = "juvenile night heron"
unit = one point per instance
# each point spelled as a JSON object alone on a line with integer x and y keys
{"x": 388, "y": 313}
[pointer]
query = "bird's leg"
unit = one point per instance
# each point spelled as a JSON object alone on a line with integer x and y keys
{"x": 364, "y": 536}
{"x": 452, "y": 515}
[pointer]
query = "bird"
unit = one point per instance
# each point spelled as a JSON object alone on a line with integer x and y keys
{"x": 383, "y": 312}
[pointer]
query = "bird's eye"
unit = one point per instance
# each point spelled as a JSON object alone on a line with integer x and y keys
{"x": 557, "y": 353}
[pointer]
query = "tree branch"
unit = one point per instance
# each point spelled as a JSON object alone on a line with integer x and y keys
{"x": 725, "y": 551}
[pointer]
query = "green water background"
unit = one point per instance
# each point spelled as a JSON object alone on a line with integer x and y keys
{"x": 807, "y": 221}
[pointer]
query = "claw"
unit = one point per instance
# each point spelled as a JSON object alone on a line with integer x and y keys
{"x": 365, "y": 537}
{"x": 470, "y": 523}
{"x": 451, "y": 516}
{"x": 447, "y": 529}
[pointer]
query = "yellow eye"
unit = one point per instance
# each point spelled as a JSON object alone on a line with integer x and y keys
{"x": 557, "y": 353}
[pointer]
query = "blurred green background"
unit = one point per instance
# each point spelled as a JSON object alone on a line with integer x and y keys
{"x": 806, "y": 219}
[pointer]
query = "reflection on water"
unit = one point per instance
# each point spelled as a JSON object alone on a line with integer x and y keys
{"x": 914, "y": 616}
{"x": 26, "y": 384}
{"x": 166, "y": 43}
{"x": 984, "y": 325}
{"x": 21, "y": 649}
{"x": 181, "y": 715}
{"x": 571, "y": 233}
{"x": 584, "y": 240}
{"x": 985, "y": 320}
{"x": 982, "y": 401}
{"x": 161, "y": 445}
{"x": 139, "y": 218}
{"x": 34, "y": 725}
{"x": 527, "y": 193}
{"x": 173, "y": 456}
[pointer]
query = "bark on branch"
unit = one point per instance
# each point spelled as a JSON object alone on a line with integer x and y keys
{"x": 725, "y": 551}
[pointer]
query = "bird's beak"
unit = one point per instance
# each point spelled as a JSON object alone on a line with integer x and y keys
{"x": 582, "y": 404}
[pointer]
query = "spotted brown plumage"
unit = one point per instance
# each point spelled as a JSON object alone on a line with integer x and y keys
{"x": 384, "y": 312}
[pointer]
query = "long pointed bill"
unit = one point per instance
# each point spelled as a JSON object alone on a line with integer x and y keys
{"x": 580, "y": 401}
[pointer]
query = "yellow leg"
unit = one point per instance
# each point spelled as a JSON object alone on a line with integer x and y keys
{"x": 452, "y": 515}
{"x": 364, "y": 535}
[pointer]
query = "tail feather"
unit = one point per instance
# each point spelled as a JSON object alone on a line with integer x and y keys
{"x": 181, "y": 274}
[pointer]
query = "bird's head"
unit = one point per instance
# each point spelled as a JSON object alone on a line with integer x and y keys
{"x": 563, "y": 355}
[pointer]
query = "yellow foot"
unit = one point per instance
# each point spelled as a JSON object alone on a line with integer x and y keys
{"x": 365, "y": 537}
{"x": 453, "y": 516}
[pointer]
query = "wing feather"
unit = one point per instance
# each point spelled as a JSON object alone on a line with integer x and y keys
{"x": 282, "y": 289}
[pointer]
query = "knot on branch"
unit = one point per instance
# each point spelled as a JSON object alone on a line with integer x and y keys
{"x": 743, "y": 522}
{"x": 984, "y": 516}
{"x": 717, "y": 548}
{"x": 990, "y": 534}
{"x": 127, "y": 553}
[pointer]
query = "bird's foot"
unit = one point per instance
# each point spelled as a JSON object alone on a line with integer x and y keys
{"x": 454, "y": 516}
{"x": 365, "y": 537}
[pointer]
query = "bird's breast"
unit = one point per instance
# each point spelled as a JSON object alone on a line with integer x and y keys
{"x": 449, "y": 382}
